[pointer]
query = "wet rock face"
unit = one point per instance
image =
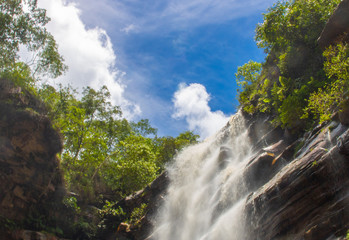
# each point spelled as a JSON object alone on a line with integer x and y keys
{"x": 308, "y": 198}
{"x": 29, "y": 172}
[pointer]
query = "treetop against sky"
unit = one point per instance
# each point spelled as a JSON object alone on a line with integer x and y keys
{"x": 172, "y": 62}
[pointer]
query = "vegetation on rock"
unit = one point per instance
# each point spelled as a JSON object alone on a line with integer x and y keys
{"x": 298, "y": 83}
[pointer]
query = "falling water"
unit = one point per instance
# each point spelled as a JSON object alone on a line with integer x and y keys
{"x": 206, "y": 195}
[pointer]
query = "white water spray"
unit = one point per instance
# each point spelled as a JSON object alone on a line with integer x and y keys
{"x": 207, "y": 193}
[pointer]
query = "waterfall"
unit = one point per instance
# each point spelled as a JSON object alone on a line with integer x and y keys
{"x": 206, "y": 195}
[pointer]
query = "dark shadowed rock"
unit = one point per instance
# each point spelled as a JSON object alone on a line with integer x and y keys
{"x": 31, "y": 181}
{"x": 337, "y": 25}
{"x": 260, "y": 170}
{"x": 223, "y": 158}
{"x": 267, "y": 163}
{"x": 343, "y": 114}
{"x": 308, "y": 198}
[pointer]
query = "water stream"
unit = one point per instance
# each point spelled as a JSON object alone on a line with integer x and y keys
{"x": 206, "y": 196}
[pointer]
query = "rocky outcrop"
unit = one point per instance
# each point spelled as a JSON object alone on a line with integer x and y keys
{"x": 337, "y": 26}
{"x": 31, "y": 181}
{"x": 301, "y": 186}
{"x": 152, "y": 196}
{"x": 308, "y": 198}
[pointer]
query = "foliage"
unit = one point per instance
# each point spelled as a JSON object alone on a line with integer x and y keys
{"x": 108, "y": 209}
{"x": 136, "y": 166}
{"x": 103, "y": 151}
{"x": 292, "y": 24}
{"x": 143, "y": 128}
{"x": 294, "y": 76}
{"x": 138, "y": 213}
{"x": 72, "y": 203}
{"x": 326, "y": 100}
{"x": 91, "y": 128}
{"x": 41, "y": 222}
{"x": 248, "y": 74}
{"x": 337, "y": 64}
{"x": 20, "y": 74}
{"x": 111, "y": 216}
{"x": 23, "y": 24}
{"x": 168, "y": 147}
{"x": 247, "y": 79}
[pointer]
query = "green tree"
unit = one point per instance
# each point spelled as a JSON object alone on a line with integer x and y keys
{"x": 168, "y": 147}
{"x": 133, "y": 165}
{"x": 288, "y": 35}
{"x": 27, "y": 27}
{"x": 91, "y": 127}
{"x": 143, "y": 128}
{"x": 290, "y": 31}
{"x": 255, "y": 93}
{"x": 293, "y": 23}
{"x": 248, "y": 74}
{"x": 334, "y": 96}
{"x": 103, "y": 151}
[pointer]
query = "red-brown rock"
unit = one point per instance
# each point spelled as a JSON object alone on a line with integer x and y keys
{"x": 29, "y": 169}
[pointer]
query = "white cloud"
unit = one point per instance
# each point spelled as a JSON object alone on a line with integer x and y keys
{"x": 88, "y": 53}
{"x": 191, "y": 103}
{"x": 186, "y": 14}
{"x": 129, "y": 28}
{"x": 169, "y": 15}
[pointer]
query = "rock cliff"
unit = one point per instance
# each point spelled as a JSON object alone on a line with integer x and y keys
{"x": 31, "y": 181}
{"x": 309, "y": 197}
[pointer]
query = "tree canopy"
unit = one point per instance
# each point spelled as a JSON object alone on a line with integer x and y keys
{"x": 22, "y": 23}
{"x": 103, "y": 151}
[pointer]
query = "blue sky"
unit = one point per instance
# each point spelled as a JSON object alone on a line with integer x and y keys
{"x": 171, "y": 61}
